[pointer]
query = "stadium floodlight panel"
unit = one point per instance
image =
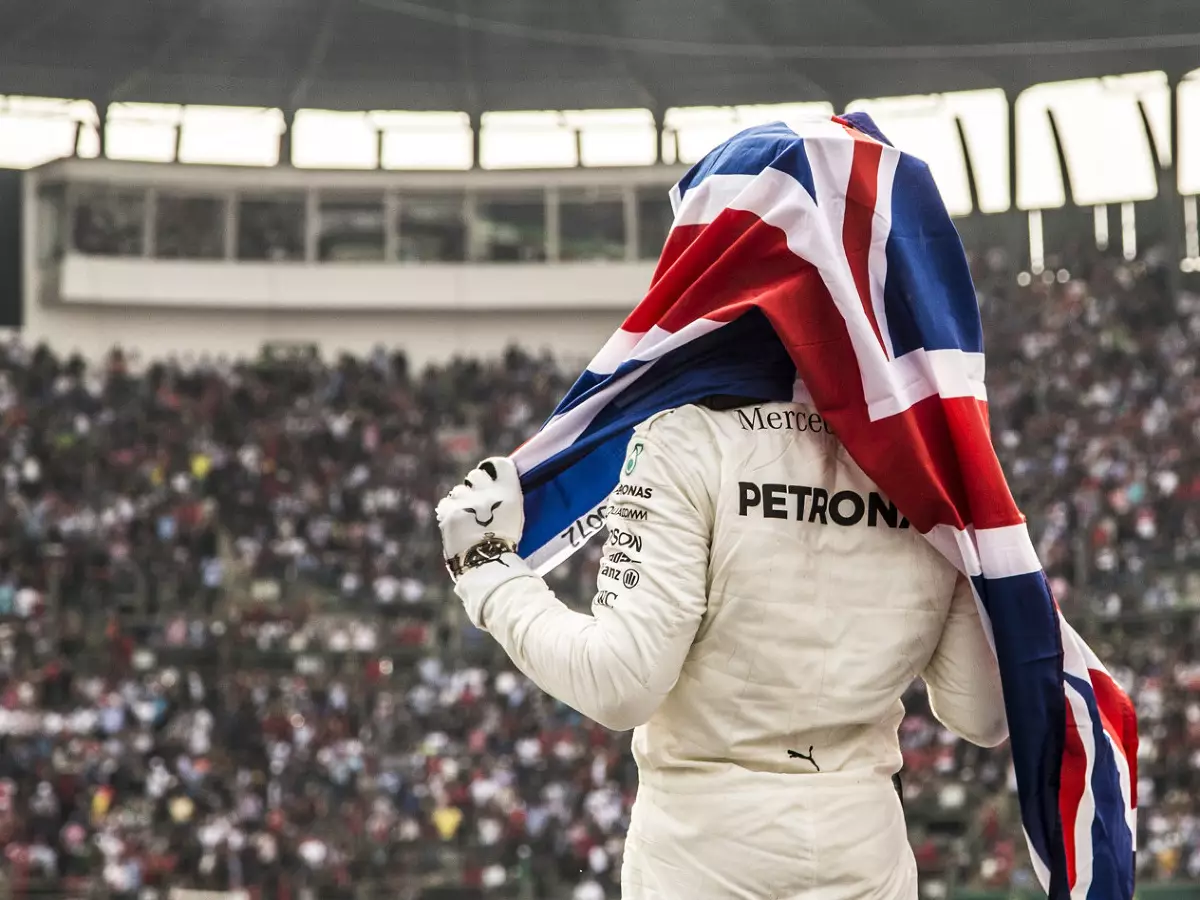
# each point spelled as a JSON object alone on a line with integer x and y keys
{"x": 324, "y": 139}
{"x": 205, "y": 137}
{"x": 1153, "y": 92}
{"x": 142, "y": 132}
{"x": 425, "y": 140}
{"x": 1188, "y": 98}
{"x": 558, "y": 139}
{"x": 36, "y": 130}
{"x": 983, "y": 116}
{"x": 526, "y": 140}
{"x": 615, "y": 137}
{"x": 1108, "y": 153}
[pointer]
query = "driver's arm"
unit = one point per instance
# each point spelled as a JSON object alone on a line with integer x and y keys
{"x": 616, "y": 665}
{"x": 963, "y": 678}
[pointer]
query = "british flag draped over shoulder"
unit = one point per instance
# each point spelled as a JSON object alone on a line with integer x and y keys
{"x": 817, "y": 262}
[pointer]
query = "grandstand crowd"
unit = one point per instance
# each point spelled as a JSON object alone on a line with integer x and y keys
{"x": 229, "y": 657}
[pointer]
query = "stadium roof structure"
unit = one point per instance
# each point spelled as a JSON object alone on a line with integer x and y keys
{"x": 480, "y": 55}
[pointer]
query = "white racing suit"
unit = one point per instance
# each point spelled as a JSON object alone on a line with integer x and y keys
{"x": 760, "y": 610}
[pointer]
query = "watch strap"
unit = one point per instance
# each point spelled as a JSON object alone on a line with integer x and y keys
{"x": 490, "y": 549}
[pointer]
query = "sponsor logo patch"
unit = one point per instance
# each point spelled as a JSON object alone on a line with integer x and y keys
{"x": 634, "y": 490}
{"x": 618, "y": 537}
{"x": 604, "y": 598}
{"x": 781, "y": 420}
{"x": 585, "y": 526}
{"x": 631, "y": 461}
{"x": 803, "y": 503}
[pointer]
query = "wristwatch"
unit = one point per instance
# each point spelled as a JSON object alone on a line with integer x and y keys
{"x": 490, "y": 549}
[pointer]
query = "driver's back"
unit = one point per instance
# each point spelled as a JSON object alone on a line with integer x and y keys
{"x": 770, "y": 760}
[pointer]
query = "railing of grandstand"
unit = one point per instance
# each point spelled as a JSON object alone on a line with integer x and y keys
{"x": 187, "y": 213}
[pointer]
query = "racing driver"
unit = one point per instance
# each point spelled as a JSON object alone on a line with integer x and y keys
{"x": 760, "y": 609}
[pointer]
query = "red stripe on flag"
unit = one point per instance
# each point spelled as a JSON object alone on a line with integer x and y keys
{"x": 859, "y": 223}
{"x": 1120, "y": 721}
{"x": 718, "y": 271}
{"x": 992, "y": 505}
{"x": 1073, "y": 784}
{"x": 661, "y": 297}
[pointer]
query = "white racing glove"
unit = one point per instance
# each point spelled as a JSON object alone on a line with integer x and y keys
{"x": 482, "y": 518}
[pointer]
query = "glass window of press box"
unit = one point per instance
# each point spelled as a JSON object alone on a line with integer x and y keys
{"x": 431, "y": 227}
{"x": 109, "y": 221}
{"x": 571, "y": 223}
{"x": 351, "y": 227}
{"x": 54, "y": 222}
{"x": 510, "y": 227}
{"x": 654, "y": 218}
{"x": 591, "y": 224}
{"x": 189, "y": 227}
{"x": 271, "y": 228}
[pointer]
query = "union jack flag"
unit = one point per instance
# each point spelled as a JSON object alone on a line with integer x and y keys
{"x": 816, "y": 262}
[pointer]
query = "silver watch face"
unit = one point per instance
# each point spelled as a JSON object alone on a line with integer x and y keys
{"x": 484, "y": 552}
{"x": 489, "y": 552}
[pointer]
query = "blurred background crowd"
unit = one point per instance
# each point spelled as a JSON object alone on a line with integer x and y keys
{"x": 229, "y": 655}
